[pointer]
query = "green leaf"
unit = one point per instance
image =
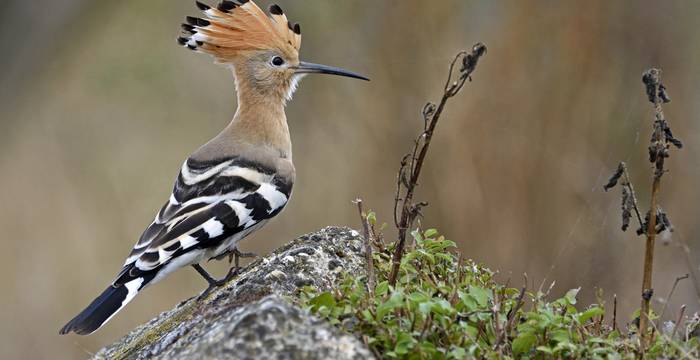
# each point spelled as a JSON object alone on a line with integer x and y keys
{"x": 427, "y": 347}
{"x": 458, "y": 353}
{"x": 427, "y": 255}
{"x": 545, "y": 349}
{"x": 404, "y": 343}
{"x": 523, "y": 343}
{"x": 417, "y": 236}
{"x": 425, "y": 307}
{"x": 430, "y": 233}
{"x": 480, "y": 294}
{"x": 442, "y": 307}
{"x": 325, "y": 299}
{"x": 571, "y": 296}
{"x": 590, "y": 313}
{"x": 382, "y": 288}
{"x": 367, "y": 315}
{"x": 418, "y": 297}
{"x": 372, "y": 217}
{"x": 559, "y": 335}
{"x": 394, "y": 302}
{"x": 467, "y": 302}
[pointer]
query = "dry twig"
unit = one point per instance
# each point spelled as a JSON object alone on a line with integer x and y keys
{"x": 412, "y": 163}
{"x": 670, "y": 293}
{"x": 614, "y": 319}
{"x": 369, "y": 239}
{"x": 678, "y": 321}
{"x": 656, "y": 219}
{"x": 661, "y": 139}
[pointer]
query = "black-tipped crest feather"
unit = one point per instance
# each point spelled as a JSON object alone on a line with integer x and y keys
{"x": 226, "y": 6}
{"x": 276, "y": 9}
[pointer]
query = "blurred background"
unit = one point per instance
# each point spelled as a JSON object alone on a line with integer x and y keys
{"x": 100, "y": 106}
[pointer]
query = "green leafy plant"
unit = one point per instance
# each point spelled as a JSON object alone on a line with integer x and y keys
{"x": 443, "y": 307}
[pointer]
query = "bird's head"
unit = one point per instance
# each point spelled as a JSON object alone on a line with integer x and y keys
{"x": 262, "y": 49}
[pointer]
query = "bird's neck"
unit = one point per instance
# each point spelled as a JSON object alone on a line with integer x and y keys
{"x": 260, "y": 120}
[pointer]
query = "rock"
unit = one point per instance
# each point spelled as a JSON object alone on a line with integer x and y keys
{"x": 248, "y": 318}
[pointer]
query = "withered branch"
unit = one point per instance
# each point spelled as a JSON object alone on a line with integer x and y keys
{"x": 658, "y": 152}
{"x": 670, "y": 294}
{"x": 662, "y": 139}
{"x": 405, "y": 211}
{"x": 369, "y": 240}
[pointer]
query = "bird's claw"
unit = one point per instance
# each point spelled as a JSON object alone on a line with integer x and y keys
{"x": 235, "y": 257}
{"x": 237, "y": 254}
{"x": 235, "y": 270}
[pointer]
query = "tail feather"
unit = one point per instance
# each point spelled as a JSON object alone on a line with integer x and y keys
{"x": 103, "y": 308}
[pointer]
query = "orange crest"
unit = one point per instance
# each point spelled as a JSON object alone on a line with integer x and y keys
{"x": 235, "y": 26}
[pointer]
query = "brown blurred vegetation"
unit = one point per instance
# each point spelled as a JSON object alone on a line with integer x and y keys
{"x": 100, "y": 106}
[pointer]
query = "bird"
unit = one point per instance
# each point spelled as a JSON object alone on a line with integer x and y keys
{"x": 235, "y": 183}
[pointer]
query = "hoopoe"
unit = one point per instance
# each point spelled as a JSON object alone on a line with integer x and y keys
{"x": 232, "y": 185}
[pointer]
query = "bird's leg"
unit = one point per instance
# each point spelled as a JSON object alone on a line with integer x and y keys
{"x": 235, "y": 256}
{"x": 212, "y": 282}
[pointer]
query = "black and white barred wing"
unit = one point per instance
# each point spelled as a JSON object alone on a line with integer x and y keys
{"x": 213, "y": 205}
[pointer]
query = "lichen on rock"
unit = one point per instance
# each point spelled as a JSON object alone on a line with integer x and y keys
{"x": 249, "y": 318}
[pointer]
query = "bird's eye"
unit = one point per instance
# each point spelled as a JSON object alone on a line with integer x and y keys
{"x": 277, "y": 61}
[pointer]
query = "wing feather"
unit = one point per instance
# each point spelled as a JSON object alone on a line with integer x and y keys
{"x": 211, "y": 202}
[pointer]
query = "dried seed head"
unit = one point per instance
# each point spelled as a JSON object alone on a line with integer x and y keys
{"x": 615, "y": 177}
{"x": 663, "y": 94}
{"x": 669, "y": 137}
{"x": 469, "y": 61}
{"x": 428, "y": 111}
{"x": 663, "y": 222}
{"x": 651, "y": 78}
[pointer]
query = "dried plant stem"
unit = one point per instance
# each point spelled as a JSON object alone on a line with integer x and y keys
{"x": 690, "y": 264}
{"x": 408, "y": 197}
{"x": 368, "y": 246}
{"x": 670, "y": 294}
{"x": 512, "y": 316}
{"x": 658, "y": 152}
{"x": 495, "y": 310}
{"x": 656, "y": 220}
{"x": 678, "y": 321}
{"x": 647, "y": 290}
{"x": 412, "y": 163}
{"x": 614, "y": 318}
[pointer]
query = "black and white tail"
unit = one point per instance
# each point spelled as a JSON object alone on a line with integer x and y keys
{"x": 113, "y": 299}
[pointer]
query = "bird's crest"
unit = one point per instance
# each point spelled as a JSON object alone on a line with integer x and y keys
{"x": 235, "y": 26}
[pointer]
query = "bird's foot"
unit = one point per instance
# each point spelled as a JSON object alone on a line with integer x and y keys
{"x": 235, "y": 257}
{"x": 213, "y": 283}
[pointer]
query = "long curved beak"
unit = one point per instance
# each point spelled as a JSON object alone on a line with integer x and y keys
{"x": 311, "y": 68}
